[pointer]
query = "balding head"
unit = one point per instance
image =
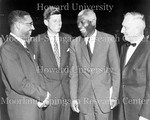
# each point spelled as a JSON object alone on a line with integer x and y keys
{"x": 88, "y": 14}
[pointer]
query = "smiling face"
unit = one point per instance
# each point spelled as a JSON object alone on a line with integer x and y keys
{"x": 85, "y": 26}
{"x": 26, "y": 27}
{"x": 54, "y": 23}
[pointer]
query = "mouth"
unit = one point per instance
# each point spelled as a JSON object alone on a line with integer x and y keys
{"x": 30, "y": 32}
{"x": 82, "y": 30}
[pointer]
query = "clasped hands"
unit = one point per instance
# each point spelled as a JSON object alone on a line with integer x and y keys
{"x": 46, "y": 102}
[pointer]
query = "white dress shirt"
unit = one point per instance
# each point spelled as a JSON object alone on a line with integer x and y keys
{"x": 51, "y": 37}
{"x": 23, "y": 42}
{"x": 91, "y": 41}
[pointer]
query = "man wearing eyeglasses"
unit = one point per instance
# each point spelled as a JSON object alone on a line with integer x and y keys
{"x": 25, "y": 86}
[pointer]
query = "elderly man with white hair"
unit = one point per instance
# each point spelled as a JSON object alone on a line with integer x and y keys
{"x": 94, "y": 68}
{"x": 135, "y": 67}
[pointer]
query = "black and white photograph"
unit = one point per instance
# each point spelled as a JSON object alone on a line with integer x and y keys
{"x": 75, "y": 60}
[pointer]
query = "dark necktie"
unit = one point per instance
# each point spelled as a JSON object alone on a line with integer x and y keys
{"x": 129, "y": 43}
{"x": 27, "y": 50}
{"x": 30, "y": 56}
{"x": 89, "y": 49}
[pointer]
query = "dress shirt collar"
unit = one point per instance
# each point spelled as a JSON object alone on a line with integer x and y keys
{"x": 92, "y": 37}
{"x": 23, "y": 42}
{"x": 52, "y": 35}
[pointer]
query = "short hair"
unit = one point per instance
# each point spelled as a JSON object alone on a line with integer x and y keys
{"x": 15, "y": 16}
{"x": 51, "y": 10}
{"x": 136, "y": 16}
{"x": 88, "y": 14}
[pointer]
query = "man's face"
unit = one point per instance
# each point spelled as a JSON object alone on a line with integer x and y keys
{"x": 130, "y": 29}
{"x": 26, "y": 27}
{"x": 54, "y": 23}
{"x": 85, "y": 26}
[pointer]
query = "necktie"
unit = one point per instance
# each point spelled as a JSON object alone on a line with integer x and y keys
{"x": 27, "y": 50}
{"x": 89, "y": 49}
{"x": 31, "y": 57}
{"x": 129, "y": 43}
{"x": 56, "y": 52}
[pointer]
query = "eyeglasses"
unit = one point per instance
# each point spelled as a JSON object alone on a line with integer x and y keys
{"x": 29, "y": 24}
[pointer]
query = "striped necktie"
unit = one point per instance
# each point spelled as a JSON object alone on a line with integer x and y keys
{"x": 56, "y": 52}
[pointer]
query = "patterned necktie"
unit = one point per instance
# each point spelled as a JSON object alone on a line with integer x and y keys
{"x": 56, "y": 52}
{"x": 89, "y": 50}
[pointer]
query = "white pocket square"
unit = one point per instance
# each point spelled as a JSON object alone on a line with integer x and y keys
{"x": 68, "y": 49}
{"x": 34, "y": 56}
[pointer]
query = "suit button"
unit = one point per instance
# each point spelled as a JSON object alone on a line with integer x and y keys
{"x": 123, "y": 86}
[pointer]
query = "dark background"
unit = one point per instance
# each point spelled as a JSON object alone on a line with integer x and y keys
{"x": 109, "y": 22}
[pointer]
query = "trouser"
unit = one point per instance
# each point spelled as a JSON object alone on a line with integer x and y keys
{"x": 96, "y": 113}
{"x": 58, "y": 112}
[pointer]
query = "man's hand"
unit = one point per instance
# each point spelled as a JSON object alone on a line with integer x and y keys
{"x": 113, "y": 103}
{"x": 46, "y": 102}
{"x": 75, "y": 106}
{"x": 41, "y": 104}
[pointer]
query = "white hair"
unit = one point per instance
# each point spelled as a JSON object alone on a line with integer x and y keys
{"x": 137, "y": 18}
{"x": 88, "y": 15}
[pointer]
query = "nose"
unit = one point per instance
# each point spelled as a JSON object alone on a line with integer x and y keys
{"x": 122, "y": 30}
{"x": 32, "y": 27}
{"x": 79, "y": 25}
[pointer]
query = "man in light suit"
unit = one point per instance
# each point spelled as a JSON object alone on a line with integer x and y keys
{"x": 25, "y": 87}
{"x": 135, "y": 66}
{"x": 94, "y": 68}
{"x": 54, "y": 63}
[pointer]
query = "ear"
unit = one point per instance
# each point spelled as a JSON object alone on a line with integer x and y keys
{"x": 46, "y": 22}
{"x": 93, "y": 22}
{"x": 17, "y": 25}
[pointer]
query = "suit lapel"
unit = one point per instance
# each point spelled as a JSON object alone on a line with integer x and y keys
{"x": 84, "y": 50}
{"x": 62, "y": 50}
{"x": 21, "y": 48}
{"x": 49, "y": 49}
{"x": 97, "y": 47}
{"x": 136, "y": 53}
{"x": 123, "y": 56}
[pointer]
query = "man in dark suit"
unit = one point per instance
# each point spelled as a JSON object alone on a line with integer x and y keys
{"x": 25, "y": 88}
{"x": 94, "y": 68}
{"x": 52, "y": 54}
{"x": 135, "y": 66}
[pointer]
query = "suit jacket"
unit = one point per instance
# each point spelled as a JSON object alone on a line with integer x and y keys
{"x": 95, "y": 76}
{"x": 135, "y": 89}
{"x": 57, "y": 78}
{"x": 24, "y": 85}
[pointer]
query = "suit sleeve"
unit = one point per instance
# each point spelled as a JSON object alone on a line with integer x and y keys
{"x": 114, "y": 62}
{"x": 73, "y": 72}
{"x": 145, "y": 109}
{"x": 17, "y": 80}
